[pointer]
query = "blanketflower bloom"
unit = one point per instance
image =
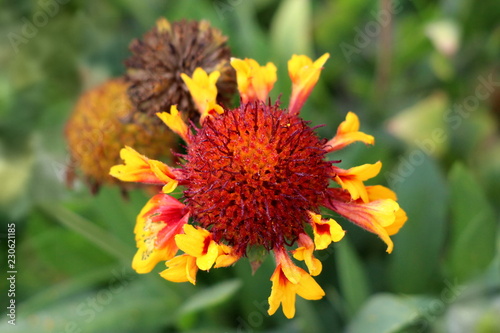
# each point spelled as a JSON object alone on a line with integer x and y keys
{"x": 256, "y": 176}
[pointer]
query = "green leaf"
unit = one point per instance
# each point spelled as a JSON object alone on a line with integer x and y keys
{"x": 56, "y": 292}
{"x": 89, "y": 230}
{"x": 422, "y": 193}
{"x": 384, "y": 313}
{"x": 119, "y": 222}
{"x": 210, "y": 296}
{"x": 247, "y": 36}
{"x": 473, "y": 227}
{"x": 352, "y": 278}
{"x": 423, "y": 124}
{"x": 119, "y": 305}
{"x": 290, "y": 29}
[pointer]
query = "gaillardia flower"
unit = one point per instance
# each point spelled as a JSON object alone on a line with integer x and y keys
{"x": 255, "y": 176}
{"x": 102, "y": 121}
{"x": 168, "y": 50}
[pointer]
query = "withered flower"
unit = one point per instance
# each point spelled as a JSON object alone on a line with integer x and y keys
{"x": 103, "y": 121}
{"x": 169, "y": 49}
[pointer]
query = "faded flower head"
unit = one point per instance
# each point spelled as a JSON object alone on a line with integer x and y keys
{"x": 168, "y": 50}
{"x": 102, "y": 121}
{"x": 255, "y": 176}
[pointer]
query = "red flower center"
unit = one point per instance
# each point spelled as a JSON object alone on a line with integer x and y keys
{"x": 253, "y": 173}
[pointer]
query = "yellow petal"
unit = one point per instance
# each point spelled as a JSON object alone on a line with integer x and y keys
{"x": 373, "y": 216}
{"x": 354, "y": 186}
{"x": 352, "y": 179}
{"x": 164, "y": 174}
{"x": 226, "y": 256}
{"x": 284, "y": 292}
{"x": 304, "y": 74}
{"x": 336, "y": 231}
{"x": 203, "y": 89}
{"x": 401, "y": 219}
{"x": 325, "y": 231}
{"x": 365, "y": 171}
{"x": 309, "y": 289}
{"x": 163, "y": 25}
{"x": 290, "y": 270}
{"x": 206, "y": 261}
{"x": 192, "y": 241}
{"x": 181, "y": 269}
{"x": 175, "y": 122}
{"x": 350, "y": 124}
{"x": 146, "y": 259}
{"x": 139, "y": 168}
{"x": 135, "y": 169}
{"x": 225, "y": 260}
{"x": 288, "y": 301}
{"x": 347, "y": 133}
{"x": 254, "y": 81}
{"x": 156, "y": 226}
{"x": 305, "y": 253}
{"x": 277, "y": 290}
{"x": 380, "y": 192}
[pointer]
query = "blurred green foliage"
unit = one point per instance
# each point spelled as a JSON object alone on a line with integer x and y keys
{"x": 426, "y": 85}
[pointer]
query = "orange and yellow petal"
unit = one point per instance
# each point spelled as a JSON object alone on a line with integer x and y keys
{"x": 347, "y": 133}
{"x": 381, "y": 192}
{"x": 304, "y": 74}
{"x": 182, "y": 268}
{"x": 325, "y": 231}
{"x": 156, "y": 226}
{"x": 198, "y": 243}
{"x": 254, "y": 81}
{"x": 376, "y": 192}
{"x": 352, "y": 179}
{"x": 305, "y": 253}
{"x": 203, "y": 89}
{"x": 226, "y": 256}
{"x": 282, "y": 293}
{"x": 400, "y": 221}
{"x": 212, "y": 109}
{"x": 146, "y": 258}
{"x": 375, "y": 216}
{"x": 139, "y": 168}
{"x": 165, "y": 175}
{"x": 135, "y": 169}
{"x": 284, "y": 289}
{"x": 175, "y": 122}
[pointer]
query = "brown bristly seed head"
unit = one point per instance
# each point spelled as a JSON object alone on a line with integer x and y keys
{"x": 170, "y": 49}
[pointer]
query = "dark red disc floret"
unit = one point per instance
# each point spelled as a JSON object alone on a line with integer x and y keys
{"x": 253, "y": 174}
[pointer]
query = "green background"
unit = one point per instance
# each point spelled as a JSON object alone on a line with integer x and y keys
{"x": 426, "y": 86}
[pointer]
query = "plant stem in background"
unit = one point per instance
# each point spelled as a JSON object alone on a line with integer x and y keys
{"x": 384, "y": 57}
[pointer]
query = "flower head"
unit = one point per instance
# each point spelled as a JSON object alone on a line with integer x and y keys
{"x": 169, "y": 50}
{"x": 103, "y": 120}
{"x": 257, "y": 176}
